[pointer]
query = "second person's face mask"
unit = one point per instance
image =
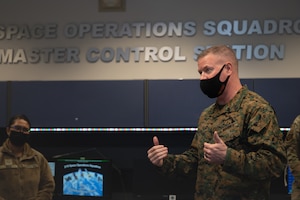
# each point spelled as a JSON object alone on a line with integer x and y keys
{"x": 18, "y": 138}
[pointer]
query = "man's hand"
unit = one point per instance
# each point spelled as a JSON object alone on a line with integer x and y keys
{"x": 215, "y": 153}
{"x": 157, "y": 153}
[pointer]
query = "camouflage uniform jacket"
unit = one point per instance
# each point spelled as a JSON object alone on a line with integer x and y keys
{"x": 255, "y": 154}
{"x": 292, "y": 147}
{"x": 26, "y": 178}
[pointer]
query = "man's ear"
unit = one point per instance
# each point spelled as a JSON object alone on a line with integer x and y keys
{"x": 229, "y": 68}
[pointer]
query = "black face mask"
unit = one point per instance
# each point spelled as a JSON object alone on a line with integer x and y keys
{"x": 213, "y": 87}
{"x": 18, "y": 138}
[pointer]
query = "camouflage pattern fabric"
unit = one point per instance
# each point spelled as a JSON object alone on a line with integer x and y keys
{"x": 25, "y": 178}
{"x": 256, "y": 153}
{"x": 292, "y": 147}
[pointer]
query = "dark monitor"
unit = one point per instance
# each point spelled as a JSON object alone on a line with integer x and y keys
{"x": 83, "y": 179}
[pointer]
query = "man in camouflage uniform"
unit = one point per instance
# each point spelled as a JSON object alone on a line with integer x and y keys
{"x": 293, "y": 154}
{"x": 238, "y": 147}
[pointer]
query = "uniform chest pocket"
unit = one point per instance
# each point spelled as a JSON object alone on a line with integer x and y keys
{"x": 231, "y": 131}
{"x": 30, "y": 165}
{"x": 238, "y": 141}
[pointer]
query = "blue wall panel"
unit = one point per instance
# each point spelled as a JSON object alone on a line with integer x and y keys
{"x": 284, "y": 96}
{"x": 171, "y": 103}
{"x": 80, "y": 103}
{"x": 176, "y": 103}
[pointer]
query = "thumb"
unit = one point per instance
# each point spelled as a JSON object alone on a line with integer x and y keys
{"x": 155, "y": 140}
{"x": 217, "y": 139}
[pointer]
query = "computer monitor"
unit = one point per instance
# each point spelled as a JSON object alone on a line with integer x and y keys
{"x": 83, "y": 179}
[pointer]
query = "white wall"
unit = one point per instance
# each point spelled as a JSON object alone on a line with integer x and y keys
{"x": 16, "y": 64}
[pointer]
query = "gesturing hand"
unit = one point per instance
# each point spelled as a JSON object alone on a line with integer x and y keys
{"x": 215, "y": 153}
{"x": 157, "y": 153}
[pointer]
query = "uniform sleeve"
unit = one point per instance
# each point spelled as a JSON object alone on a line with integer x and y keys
{"x": 47, "y": 184}
{"x": 178, "y": 166}
{"x": 265, "y": 156}
{"x": 292, "y": 147}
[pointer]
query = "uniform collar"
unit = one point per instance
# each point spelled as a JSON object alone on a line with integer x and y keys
{"x": 234, "y": 104}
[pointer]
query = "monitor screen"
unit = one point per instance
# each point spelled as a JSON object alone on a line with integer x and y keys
{"x": 83, "y": 179}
